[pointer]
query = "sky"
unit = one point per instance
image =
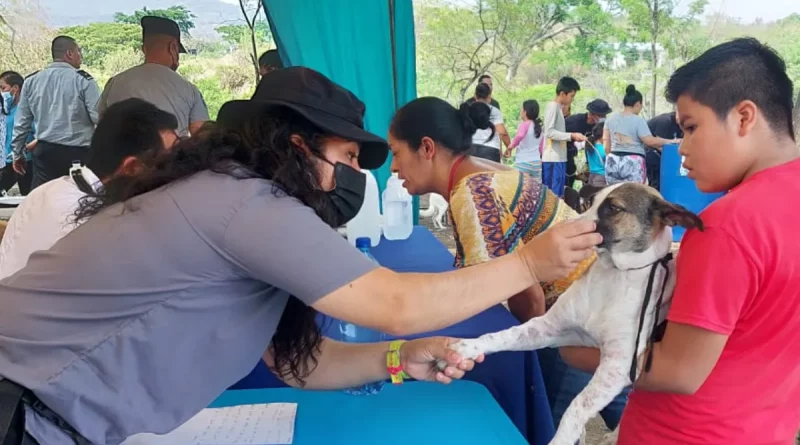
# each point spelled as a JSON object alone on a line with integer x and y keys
{"x": 749, "y": 10}
{"x": 64, "y": 12}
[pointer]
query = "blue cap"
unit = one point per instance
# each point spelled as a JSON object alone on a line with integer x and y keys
{"x": 363, "y": 243}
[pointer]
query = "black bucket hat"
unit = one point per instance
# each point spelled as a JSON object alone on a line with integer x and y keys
{"x": 598, "y": 107}
{"x": 326, "y": 104}
{"x": 152, "y": 25}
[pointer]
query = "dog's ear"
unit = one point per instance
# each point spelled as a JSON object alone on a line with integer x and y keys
{"x": 588, "y": 191}
{"x": 675, "y": 215}
{"x": 587, "y": 194}
{"x": 572, "y": 198}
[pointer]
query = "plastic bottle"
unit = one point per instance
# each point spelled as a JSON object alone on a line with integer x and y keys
{"x": 352, "y": 333}
{"x": 367, "y": 223}
{"x": 398, "y": 211}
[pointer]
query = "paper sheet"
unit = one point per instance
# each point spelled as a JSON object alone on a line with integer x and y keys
{"x": 262, "y": 424}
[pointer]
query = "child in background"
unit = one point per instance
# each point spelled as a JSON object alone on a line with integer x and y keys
{"x": 727, "y": 370}
{"x": 596, "y": 156}
{"x": 528, "y": 141}
{"x": 554, "y": 156}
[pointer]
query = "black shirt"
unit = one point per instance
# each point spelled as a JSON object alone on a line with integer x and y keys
{"x": 665, "y": 126}
{"x": 577, "y": 123}
{"x": 493, "y": 102}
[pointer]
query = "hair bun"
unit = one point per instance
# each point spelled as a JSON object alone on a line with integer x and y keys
{"x": 466, "y": 121}
{"x": 631, "y": 89}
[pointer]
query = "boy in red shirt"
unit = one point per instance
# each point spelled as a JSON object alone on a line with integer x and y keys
{"x": 728, "y": 368}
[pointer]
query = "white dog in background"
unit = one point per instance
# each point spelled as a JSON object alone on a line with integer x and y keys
{"x": 614, "y": 306}
{"x": 437, "y": 209}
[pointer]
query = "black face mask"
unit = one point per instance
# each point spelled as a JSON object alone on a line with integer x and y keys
{"x": 348, "y": 195}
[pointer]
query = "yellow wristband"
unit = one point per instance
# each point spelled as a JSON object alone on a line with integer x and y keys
{"x": 393, "y": 364}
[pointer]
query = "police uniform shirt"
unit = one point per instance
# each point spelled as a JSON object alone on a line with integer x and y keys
{"x": 162, "y": 87}
{"x": 62, "y": 101}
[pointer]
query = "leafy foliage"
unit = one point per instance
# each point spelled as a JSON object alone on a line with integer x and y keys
{"x": 99, "y": 40}
{"x": 179, "y": 14}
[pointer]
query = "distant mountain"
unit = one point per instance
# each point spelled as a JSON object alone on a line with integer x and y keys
{"x": 210, "y": 13}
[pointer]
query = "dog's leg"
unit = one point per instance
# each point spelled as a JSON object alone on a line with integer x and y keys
{"x": 537, "y": 333}
{"x": 608, "y": 381}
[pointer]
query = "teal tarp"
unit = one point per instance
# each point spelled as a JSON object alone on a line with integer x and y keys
{"x": 351, "y": 42}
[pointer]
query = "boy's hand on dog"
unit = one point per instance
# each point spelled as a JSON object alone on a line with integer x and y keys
{"x": 431, "y": 359}
{"x": 557, "y": 251}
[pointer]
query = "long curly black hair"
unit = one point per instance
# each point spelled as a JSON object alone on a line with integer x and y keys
{"x": 258, "y": 147}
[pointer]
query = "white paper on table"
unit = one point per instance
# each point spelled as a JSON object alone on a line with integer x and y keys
{"x": 261, "y": 424}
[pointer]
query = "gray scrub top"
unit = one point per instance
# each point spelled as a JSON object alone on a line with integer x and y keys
{"x": 137, "y": 320}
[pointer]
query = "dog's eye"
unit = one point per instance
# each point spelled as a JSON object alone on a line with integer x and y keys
{"x": 615, "y": 209}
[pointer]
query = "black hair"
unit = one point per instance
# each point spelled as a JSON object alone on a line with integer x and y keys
{"x": 739, "y": 70}
{"x": 567, "y": 85}
{"x": 14, "y": 79}
{"x": 260, "y": 146}
{"x": 632, "y": 96}
{"x": 482, "y": 91}
{"x": 484, "y": 76}
{"x": 597, "y": 132}
{"x": 128, "y": 128}
{"x": 436, "y": 119}
{"x": 270, "y": 58}
{"x": 531, "y": 108}
{"x": 480, "y": 115}
{"x": 61, "y": 45}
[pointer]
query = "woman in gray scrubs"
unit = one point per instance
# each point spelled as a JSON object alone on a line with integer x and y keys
{"x": 220, "y": 253}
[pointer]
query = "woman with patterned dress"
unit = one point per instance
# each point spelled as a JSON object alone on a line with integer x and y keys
{"x": 495, "y": 209}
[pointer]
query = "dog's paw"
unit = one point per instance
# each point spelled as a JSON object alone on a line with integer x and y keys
{"x": 467, "y": 349}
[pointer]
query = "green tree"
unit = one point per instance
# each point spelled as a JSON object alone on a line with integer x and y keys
{"x": 458, "y": 41}
{"x": 251, "y": 12}
{"x": 179, "y": 14}
{"x": 658, "y": 22}
{"x": 24, "y": 36}
{"x": 238, "y": 35}
{"x": 523, "y": 25}
{"x": 454, "y": 48}
{"x": 98, "y": 40}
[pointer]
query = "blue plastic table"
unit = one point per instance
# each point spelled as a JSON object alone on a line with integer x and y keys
{"x": 513, "y": 378}
{"x": 416, "y": 412}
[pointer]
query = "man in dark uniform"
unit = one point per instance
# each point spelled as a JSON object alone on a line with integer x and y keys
{"x": 62, "y": 100}
{"x": 663, "y": 126}
{"x": 583, "y": 123}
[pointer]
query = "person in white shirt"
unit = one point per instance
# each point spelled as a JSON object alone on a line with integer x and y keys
{"x": 554, "y": 155}
{"x": 128, "y": 131}
{"x": 528, "y": 141}
{"x": 486, "y": 141}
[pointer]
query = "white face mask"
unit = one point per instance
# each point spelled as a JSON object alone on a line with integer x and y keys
{"x": 7, "y": 97}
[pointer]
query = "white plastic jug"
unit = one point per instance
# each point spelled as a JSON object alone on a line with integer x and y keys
{"x": 398, "y": 210}
{"x": 367, "y": 222}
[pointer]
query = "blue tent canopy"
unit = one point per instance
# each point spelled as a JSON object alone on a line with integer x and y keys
{"x": 367, "y": 46}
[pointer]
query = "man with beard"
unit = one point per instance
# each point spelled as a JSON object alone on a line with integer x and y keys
{"x": 156, "y": 81}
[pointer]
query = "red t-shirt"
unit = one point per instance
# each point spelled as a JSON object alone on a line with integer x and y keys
{"x": 741, "y": 278}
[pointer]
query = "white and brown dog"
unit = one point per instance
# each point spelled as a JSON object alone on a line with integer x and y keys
{"x": 614, "y": 306}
